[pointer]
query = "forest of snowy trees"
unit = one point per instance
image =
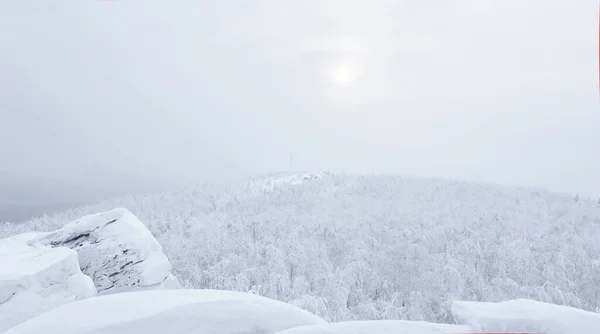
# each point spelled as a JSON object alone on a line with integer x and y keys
{"x": 372, "y": 247}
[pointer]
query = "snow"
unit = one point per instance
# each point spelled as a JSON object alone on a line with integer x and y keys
{"x": 379, "y": 327}
{"x": 103, "y": 253}
{"x": 116, "y": 250}
{"x": 34, "y": 280}
{"x": 370, "y": 247}
{"x": 170, "y": 311}
{"x": 525, "y": 316}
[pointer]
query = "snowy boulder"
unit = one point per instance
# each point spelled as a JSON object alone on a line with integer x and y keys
{"x": 170, "y": 311}
{"x": 34, "y": 280}
{"x": 115, "y": 249}
{"x": 524, "y": 315}
{"x": 379, "y": 327}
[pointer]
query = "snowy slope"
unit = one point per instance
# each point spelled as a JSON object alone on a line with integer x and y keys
{"x": 525, "y": 316}
{"x": 371, "y": 247}
{"x": 169, "y": 311}
{"x": 379, "y": 327}
{"x": 33, "y": 280}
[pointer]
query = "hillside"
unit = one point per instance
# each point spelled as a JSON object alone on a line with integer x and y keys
{"x": 372, "y": 247}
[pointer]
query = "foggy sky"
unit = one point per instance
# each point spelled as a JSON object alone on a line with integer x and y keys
{"x": 103, "y": 98}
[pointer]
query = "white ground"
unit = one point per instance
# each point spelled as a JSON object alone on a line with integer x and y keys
{"x": 523, "y": 315}
{"x": 379, "y": 327}
{"x": 170, "y": 311}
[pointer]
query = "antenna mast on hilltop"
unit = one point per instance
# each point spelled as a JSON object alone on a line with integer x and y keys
{"x": 291, "y": 163}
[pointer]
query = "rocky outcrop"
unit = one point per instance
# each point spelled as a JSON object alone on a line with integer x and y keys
{"x": 97, "y": 254}
{"x": 116, "y": 250}
{"x": 34, "y": 280}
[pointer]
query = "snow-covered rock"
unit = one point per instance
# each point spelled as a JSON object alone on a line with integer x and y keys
{"x": 523, "y": 315}
{"x": 34, "y": 280}
{"x": 115, "y": 249}
{"x": 170, "y": 311}
{"x": 102, "y": 253}
{"x": 379, "y": 327}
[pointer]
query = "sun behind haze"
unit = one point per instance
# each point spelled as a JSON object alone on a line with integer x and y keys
{"x": 114, "y": 97}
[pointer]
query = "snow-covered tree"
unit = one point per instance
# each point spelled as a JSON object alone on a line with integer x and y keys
{"x": 372, "y": 247}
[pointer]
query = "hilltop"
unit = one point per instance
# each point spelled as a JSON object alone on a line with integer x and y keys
{"x": 349, "y": 247}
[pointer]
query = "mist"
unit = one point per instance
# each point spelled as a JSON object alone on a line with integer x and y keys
{"x": 106, "y": 98}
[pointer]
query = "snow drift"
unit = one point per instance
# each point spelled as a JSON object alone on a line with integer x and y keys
{"x": 33, "y": 280}
{"x": 379, "y": 327}
{"x": 523, "y": 315}
{"x": 170, "y": 311}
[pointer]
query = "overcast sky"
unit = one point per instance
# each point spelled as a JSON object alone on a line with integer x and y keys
{"x": 102, "y": 98}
